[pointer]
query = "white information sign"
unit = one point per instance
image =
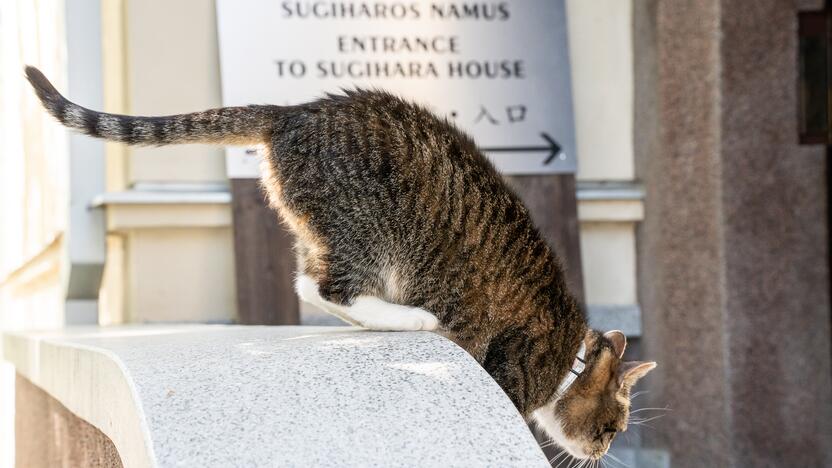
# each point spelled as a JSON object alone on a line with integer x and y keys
{"x": 498, "y": 69}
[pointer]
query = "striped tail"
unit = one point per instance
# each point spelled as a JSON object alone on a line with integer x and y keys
{"x": 227, "y": 126}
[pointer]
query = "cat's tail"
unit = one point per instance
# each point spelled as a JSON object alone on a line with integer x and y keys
{"x": 228, "y": 125}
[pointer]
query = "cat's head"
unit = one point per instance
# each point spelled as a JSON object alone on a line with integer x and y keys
{"x": 586, "y": 418}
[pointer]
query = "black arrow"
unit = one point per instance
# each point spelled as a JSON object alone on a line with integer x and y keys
{"x": 551, "y": 146}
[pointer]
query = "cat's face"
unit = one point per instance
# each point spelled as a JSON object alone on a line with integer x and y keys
{"x": 597, "y": 405}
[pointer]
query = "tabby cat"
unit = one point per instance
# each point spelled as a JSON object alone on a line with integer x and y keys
{"x": 403, "y": 224}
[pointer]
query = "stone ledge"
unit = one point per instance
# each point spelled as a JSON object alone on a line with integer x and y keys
{"x": 202, "y": 395}
{"x": 139, "y": 209}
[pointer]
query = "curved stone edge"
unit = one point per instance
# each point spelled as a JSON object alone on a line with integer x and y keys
{"x": 96, "y": 383}
{"x": 92, "y": 383}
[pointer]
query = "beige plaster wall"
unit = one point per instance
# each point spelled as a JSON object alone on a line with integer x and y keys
{"x": 33, "y": 168}
{"x": 601, "y": 52}
{"x": 170, "y": 262}
{"x": 609, "y": 262}
{"x": 33, "y": 188}
{"x": 180, "y": 275}
{"x": 172, "y": 67}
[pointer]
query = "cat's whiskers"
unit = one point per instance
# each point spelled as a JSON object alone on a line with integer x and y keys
{"x": 612, "y": 463}
{"x": 557, "y": 456}
{"x": 617, "y": 460}
{"x": 568, "y": 459}
{"x": 666, "y": 408}
{"x": 636, "y": 394}
{"x": 546, "y": 444}
{"x": 571, "y": 462}
{"x": 644, "y": 420}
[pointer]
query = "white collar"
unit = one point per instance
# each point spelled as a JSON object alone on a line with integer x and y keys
{"x": 578, "y": 366}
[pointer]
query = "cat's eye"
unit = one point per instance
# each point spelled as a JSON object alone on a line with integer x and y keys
{"x": 607, "y": 431}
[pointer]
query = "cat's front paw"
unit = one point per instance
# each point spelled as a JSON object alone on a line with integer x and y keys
{"x": 425, "y": 320}
{"x": 413, "y": 319}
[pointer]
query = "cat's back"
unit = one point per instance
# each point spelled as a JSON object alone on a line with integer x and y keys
{"x": 366, "y": 140}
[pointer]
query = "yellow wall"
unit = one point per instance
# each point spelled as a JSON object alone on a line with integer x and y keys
{"x": 173, "y": 67}
{"x": 165, "y": 262}
{"x": 33, "y": 185}
{"x": 601, "y": 53}
{"x": 33, "y": 167}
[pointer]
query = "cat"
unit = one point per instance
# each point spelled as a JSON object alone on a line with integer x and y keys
{"x": 403, "y": 224}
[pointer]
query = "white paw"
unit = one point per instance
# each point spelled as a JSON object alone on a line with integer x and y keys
{"x": 427, "y": 321}
{"x": 387, "y": 325}
{"x": 307, "y": 289}
{"x": 376, "y": 314}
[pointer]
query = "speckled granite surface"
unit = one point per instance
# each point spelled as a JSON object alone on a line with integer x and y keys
{"x": 306, "y": 396}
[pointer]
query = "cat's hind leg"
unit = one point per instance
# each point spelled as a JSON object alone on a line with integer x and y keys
{"x": 308, "y": 291}
{"x": 368, "y": 311}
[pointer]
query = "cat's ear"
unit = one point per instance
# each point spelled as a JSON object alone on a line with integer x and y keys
{"x": 619, "y": 341}
{"x": 630, "y": 371}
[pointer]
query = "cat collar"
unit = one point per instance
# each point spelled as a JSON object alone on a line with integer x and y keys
{"x": 578, "y": 366}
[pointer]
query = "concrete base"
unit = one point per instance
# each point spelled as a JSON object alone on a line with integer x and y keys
{"x": 49, "y": 435}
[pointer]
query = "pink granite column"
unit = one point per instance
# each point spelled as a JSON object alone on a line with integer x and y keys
{"x": 734, "y": 248}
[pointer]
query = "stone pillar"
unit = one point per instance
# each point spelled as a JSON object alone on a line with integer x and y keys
{"x": 734, "y": 249}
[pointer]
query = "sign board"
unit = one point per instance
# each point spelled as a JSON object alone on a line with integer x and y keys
{"x": 498, "y": 69}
